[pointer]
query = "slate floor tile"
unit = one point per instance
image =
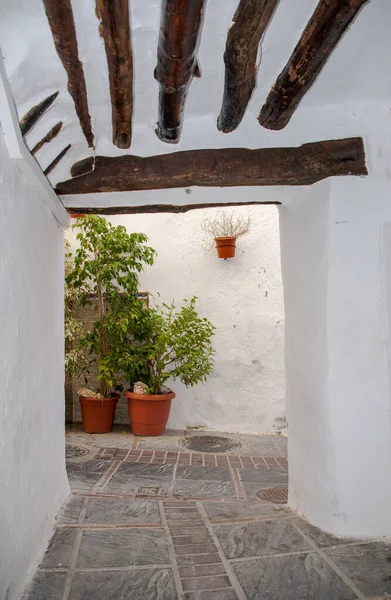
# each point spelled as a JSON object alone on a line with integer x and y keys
{"x": 259, "y": 538}
{"x": 281, "y": 441}
{"x": 69, "y": 514}
{"x": 319, "y": 537}
{"x": 59, "y": 551}
{"x": 259, "y": 445}
{"x": 46, "y": 586}
{"x": 368, "y": 566}
{"x": 146, "y": 584}
{"x": 298, "y": 577}
{"x": 162, "y": 443}
{"x": 205, "y": 473}
{"x": 131, "y": 476}
{"x": 264, "y": 476}
{"x": 228, "y": 511}
{"x": 122, "y": 511}
{"x": 154, "y": 486}
{"x": 84, "y": 475}
{"x": 197, "y": 488}
{"x": 145, "y": 470}
{"x": 122, "y": 547}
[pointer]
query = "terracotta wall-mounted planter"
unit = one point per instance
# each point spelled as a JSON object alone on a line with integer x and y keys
{"x": 77, "y": 216}
{"x": 98, "y": 413}
{"x": 226, "y": 247}
{"x": 148, "y": 414}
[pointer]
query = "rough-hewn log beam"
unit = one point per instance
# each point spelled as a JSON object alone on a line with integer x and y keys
{"x": 48, "y": 137}
{"x": 218, "y": 168}
{"x": 62, "y": 24}
{"x": 240, "y": 57}
{"x": 55, "y": 162}
{"x": 179, "y": 39}
{"x": 34, "y": 114}
{"x": 115, "y": 28}
{"x": 322, "y": 34}
{"x": 157, "y": 208}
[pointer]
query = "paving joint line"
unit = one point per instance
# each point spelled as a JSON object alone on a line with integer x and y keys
{"x": 228, "y": 569}
{"x": 171, "y": 551}
{"x": 267, "y": 556}
{"x": 104, "y": 480}
{"x": 332, "y": 564}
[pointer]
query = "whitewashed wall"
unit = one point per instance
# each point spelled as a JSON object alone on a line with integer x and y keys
{"x": 32, "y": 459}
{"x": 243, "y": 299}
{"x": 335, "y": 251}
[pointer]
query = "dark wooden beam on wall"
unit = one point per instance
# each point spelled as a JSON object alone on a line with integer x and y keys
{"x": 55, "y": 162}
{"x": 159, "y": 208}
{"x": 240, "y": 57}
{"x": 225, "y": 167}
{"x": 115, "y": 29}
{"x": 35, "y": 113}
{"x": 322, "y": 34}
{"x": 48, "y": 137}
{"x": 179, "y": 39}
{"x": 62, "y": 24}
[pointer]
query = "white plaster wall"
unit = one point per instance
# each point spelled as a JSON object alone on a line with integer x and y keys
{"x": 243, "y": 299}
{"x": 32, "y": 461}
{"x": 336, "y": 273}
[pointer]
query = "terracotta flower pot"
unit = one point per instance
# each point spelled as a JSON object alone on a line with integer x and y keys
{"x": 226, "y": 247}
{"x": 77, "y": 216}
{"x": 98, "y": 413}
{"x": 148, "y": 414}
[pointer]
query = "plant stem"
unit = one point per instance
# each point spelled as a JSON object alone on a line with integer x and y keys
{"x": 105, "y": 389}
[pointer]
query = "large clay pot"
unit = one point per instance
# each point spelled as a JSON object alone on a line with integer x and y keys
{"x": 226, "y": 247}
{"x": 148, "y": 414}
{"x": 98, "y": 413}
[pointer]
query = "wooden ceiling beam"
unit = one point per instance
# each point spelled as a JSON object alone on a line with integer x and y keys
{"x": 322, "y": 34}
{"x": 35, "y": 113}
{"x": 55, "y": 162}
{"x": 240, "y": 57}
{"x": 62, "y": 25}
{"x": 115, "y": 29}
{"x": 225, "y": 167}
{"x": 179, "y": 39}
{"x": 159, "y": 208}
{"x": 48, "y": 137}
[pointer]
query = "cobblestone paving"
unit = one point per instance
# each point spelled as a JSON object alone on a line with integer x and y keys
{"x": 169, "y": 524}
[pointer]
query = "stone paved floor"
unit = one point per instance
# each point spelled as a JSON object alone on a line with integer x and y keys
{"x": 148, "y": 519}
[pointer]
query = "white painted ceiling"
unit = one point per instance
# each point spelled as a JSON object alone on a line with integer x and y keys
{"x": 358, "y": 71}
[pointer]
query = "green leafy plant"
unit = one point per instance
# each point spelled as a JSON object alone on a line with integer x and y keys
{"x": 107, "y": 264}
{"x": 169, "y": 343}
{"x": 76, "y": 360}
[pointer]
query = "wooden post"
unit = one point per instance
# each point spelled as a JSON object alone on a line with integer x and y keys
{"x": 179, "y": 39}
{"x": 62, "y": 24}
{"x": 322, "y": 34}
{"x": 250, "y": 22}
{"x": 35, "y": 113}
{"x": 55, "y": 162}
{"x": 115, "y": 28}
{"x": 218, "y": 168}
{"x": 48, "y": 137}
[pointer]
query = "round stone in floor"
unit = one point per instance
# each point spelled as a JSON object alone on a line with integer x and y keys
{"x": 275, "y": 495}
{"x": 75, "y": 451}
{"x": 211, "y": 443}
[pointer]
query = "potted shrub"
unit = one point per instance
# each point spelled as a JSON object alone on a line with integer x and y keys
{"x": 106, "y": 266}
{"x": 225, "y": 228}
{"x": 172, "y": 344}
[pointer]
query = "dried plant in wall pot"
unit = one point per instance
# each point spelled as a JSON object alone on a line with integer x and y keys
{"x": 225, "y": 228}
